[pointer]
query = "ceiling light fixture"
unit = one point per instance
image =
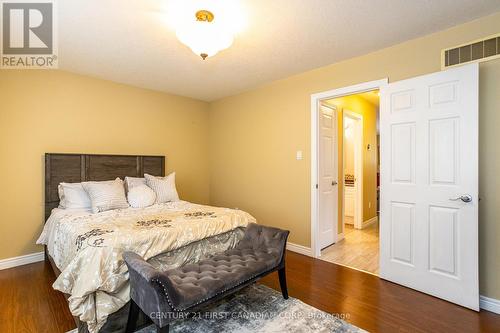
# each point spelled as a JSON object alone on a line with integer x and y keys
{"x": 204, "y": 35}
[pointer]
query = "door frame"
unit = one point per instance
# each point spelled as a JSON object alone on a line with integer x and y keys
{"x": 358, "y": 168}
{"x": 315, "y": 105}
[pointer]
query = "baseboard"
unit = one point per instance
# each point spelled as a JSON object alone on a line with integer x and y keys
{"x": 307, "y": 251}
{"x": 21, "y": 260}
{"x": 369, "y": 222}
{"x": 489, "y": 304}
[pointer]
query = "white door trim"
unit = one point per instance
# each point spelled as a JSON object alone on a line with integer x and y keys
{"x": 358, "y": 166}
{"x": 315, "y": 103}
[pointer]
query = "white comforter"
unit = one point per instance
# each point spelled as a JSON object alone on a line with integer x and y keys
{"x": 88, "y": 248}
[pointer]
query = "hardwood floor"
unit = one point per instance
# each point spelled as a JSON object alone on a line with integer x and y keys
{"x": 29, "y": 304}
{"x": 359, "y": 249}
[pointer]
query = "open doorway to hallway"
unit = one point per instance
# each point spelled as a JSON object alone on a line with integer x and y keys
{"x": 357, "y": 242}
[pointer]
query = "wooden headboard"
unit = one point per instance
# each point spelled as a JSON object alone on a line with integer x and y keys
{"x": 75, "y": 168}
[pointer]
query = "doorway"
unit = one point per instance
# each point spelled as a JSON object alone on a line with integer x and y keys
{"x": 327, "y": 178}
{"x": 357, "y": 242}
{"x": 352, "y": 167}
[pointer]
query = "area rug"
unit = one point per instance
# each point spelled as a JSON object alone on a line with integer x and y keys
{"x": 259, "y": 309}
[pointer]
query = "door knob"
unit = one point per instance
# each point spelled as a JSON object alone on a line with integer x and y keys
{"x": 464, "y": 198}
{"x": 334, "y": 183}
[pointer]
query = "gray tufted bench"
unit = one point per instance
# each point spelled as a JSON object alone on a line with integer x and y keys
{"x": 169, "y": 295}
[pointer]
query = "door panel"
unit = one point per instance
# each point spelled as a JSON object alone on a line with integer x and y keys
{"x": 443, "y": 145}
{"x": 429, "y": 158}
{"x": 403, "y": 153}
{"x": 327, "y": 176}
{"x": 402, "y": 100}
{"x": 443, "y": 233}
{"x": 327, "y": 150}
{"x": 402, "y": 233}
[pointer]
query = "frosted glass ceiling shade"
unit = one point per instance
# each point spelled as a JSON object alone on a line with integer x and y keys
{"x": 207, "y": 26}
{"x": 204, "y": 38}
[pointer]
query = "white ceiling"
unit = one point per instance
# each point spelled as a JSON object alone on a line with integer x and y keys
{"x": 130, "y": 42}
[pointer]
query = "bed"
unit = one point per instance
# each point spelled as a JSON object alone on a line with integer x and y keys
{"x": 85, "y": 249}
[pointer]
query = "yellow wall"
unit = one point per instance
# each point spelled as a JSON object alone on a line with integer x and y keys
{"x": 254, "y": 137}
{"x": 368, "y": 111}
{"x": 53, "y": 111}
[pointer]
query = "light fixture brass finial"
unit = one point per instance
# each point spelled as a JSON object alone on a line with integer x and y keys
{"x": 204, "y": 56}
{"x": 204, "y": 15}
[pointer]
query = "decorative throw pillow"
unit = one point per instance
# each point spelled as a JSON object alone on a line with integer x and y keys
{"x": 141, "y": 196}
{"x": 164, "y": 187}
{"x": 106, "y": 195}
{"x": 73, "y": 196}
{"x": 131, "y": 182}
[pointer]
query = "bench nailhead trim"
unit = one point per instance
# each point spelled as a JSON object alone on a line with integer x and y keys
{"x": 207, "y": 298}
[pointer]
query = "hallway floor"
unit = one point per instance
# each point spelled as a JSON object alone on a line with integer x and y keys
{"x": 359, "y": 249}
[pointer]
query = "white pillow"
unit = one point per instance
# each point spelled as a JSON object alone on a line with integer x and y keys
{"x": 73, "y": 196}
{"x": 164, "y": 187}
{"x": 141, "y": 196}
{"x": 131, "y": 182}
{"x": 106, "y": 195}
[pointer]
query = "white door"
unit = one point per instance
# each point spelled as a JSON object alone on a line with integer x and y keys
{"x": 328, "y": 191}
{"x": 429, "y": 184}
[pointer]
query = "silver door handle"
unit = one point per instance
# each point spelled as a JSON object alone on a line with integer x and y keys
{"x": 334, "y": 183}
{"x": 464, "y": 198}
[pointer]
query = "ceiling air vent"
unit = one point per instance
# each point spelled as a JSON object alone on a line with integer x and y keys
{"x": 476, "y": 51}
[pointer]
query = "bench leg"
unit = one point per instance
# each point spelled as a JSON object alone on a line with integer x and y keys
{"x": 162, "y": 329}
{"x": 133, "y": 315}
{"x": 282, "y": 276}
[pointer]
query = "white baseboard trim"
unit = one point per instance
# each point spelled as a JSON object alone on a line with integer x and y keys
{"x": 489, "y": 304}
{"x": 369, "y": 222}
{"x": 21, "y": 260}
{"x": 307, "y": 251}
